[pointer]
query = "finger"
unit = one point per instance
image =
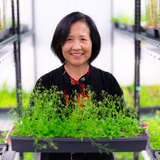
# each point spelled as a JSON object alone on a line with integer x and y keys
{"x": 11, "y": 129}
{"x": 145, "y": 125}
{"x": 7, "y": 139}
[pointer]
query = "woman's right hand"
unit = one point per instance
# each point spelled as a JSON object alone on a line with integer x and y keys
{"x": 7, "y": 139}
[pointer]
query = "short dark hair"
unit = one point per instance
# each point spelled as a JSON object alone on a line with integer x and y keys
{"x": 62, "y": 31}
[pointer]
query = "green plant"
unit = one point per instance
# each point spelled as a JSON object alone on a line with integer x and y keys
{"x": 126, "y": 156}
{"x": 114, "y": 19}
{"x": 152, "y": 13}
{"x": 123, "y": 18}
{"x": 28, "y": 156}
{"x": 154, "y": 130}
{"x": 149, "y": 95}
{"x": 8, "y": 96}
{"x": 84, "y": 117}
{"x": 2, "y": 136}
{"x": 3, "y": 14}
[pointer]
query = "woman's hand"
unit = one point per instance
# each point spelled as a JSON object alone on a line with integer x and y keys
{"x": 7, "y": 139}
{"x": 145, "y": 124}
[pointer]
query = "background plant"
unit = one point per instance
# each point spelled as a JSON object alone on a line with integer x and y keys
{"x": 154, "y": 130}
{"x": 149, "y": 95}
{"x": 2, "y": 136}
{"x": 8, "y": 96}
{"x": 3, "y": 7}
{"x": 152, "y": 13}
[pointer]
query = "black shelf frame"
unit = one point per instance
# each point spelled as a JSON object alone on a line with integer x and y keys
{"x": 15, "y": 39}
{"x": 138, "y": 38}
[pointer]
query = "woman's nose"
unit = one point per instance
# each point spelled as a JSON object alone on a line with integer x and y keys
{"x": 76, "y": 45}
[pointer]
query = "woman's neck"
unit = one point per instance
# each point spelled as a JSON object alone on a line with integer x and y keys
{"x": 76, "y": 72}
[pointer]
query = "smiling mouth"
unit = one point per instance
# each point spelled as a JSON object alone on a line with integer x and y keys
{"x": 77, "y": 54}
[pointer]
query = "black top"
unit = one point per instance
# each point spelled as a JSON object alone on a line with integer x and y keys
{"x": 99, "y": 80}
{"x": 80, "y": 86}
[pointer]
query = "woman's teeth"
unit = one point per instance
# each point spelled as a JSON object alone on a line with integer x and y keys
{"x": 77, "y": 54}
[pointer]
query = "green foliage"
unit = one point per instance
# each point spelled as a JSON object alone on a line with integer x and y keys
{"x": 114, "y": 19}
{"x": 28, "y": 156}
{"x": 3, "y": 7}
{"x": 152, "y": 13}
{"x": 149, "y": 95}
{"x": 2, "y": 136}
{"x": 8, "y": 97}
{"x": 154, "y": 130}
{"x": 50, "y": 118}
{"x": 126, "y": 156}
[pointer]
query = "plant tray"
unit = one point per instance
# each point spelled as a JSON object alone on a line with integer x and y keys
{"x": 133, "y": 144}
{"x": 152, "y": 32}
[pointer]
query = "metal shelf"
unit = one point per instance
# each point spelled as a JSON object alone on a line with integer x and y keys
{"x": 151, "y": 55}
{"x": 8, "y": 41}
{"x": 143, "y": 37}
{"x": 26, "y": 34}
{"x": 6, "y": 49}
{"x": 6, "y": 57}
{"x": 125, "y": 33}
{"x": 150, "y": 51}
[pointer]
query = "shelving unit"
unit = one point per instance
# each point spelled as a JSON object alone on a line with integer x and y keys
{"x": 6, "y": 49}
{"x": 10, "y": 53}
{"x": 152, "y": 41}
{"x": 8, "y": 41}
{"x": 151, "y": 54}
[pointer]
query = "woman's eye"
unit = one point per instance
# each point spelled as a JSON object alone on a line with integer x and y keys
{"x": 69, "y": 39}
{"x": 83, "y": 39}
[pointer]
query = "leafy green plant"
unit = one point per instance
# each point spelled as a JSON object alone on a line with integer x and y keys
{"x": 114, "y": 19}
{"x": 154, "y": 130}
{"x": 2, "y": 136}
{"x": 3, "y": 14}
{"x": 126, "y": 156}
{"x": 149, "y": 95}
{"x": 84, "y": 117}
{"x": 8, "y": 96}
{"x": 29, "y": 156}
{"x": 152, "y": 13}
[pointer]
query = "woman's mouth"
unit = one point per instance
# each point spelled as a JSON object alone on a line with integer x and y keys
{"x": 77, "y": 54}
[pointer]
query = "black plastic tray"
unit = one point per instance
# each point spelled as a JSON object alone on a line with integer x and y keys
{"x": 133, "y": 144}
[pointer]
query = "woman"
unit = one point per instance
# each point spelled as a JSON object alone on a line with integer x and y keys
{"x": 76, "y": 42}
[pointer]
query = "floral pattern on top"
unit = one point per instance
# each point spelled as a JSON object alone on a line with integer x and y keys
{"x": 71, "y": 85}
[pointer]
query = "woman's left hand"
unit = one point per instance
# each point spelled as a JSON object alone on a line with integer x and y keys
{"x": 145, "y": 124}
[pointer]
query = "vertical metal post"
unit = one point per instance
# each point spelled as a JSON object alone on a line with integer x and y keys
{"x": 18, "y": 65}
{"x": 137, "y": 60}
{"x": 112, "y": 40}
{"x": 19, "y": 80}
{"x": 33, "y": 39}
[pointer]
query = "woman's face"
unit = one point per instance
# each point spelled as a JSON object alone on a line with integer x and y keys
{"x": 78, "y": 46}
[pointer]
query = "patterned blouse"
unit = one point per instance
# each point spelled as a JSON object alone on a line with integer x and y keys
{"x": 71, "y": 85}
